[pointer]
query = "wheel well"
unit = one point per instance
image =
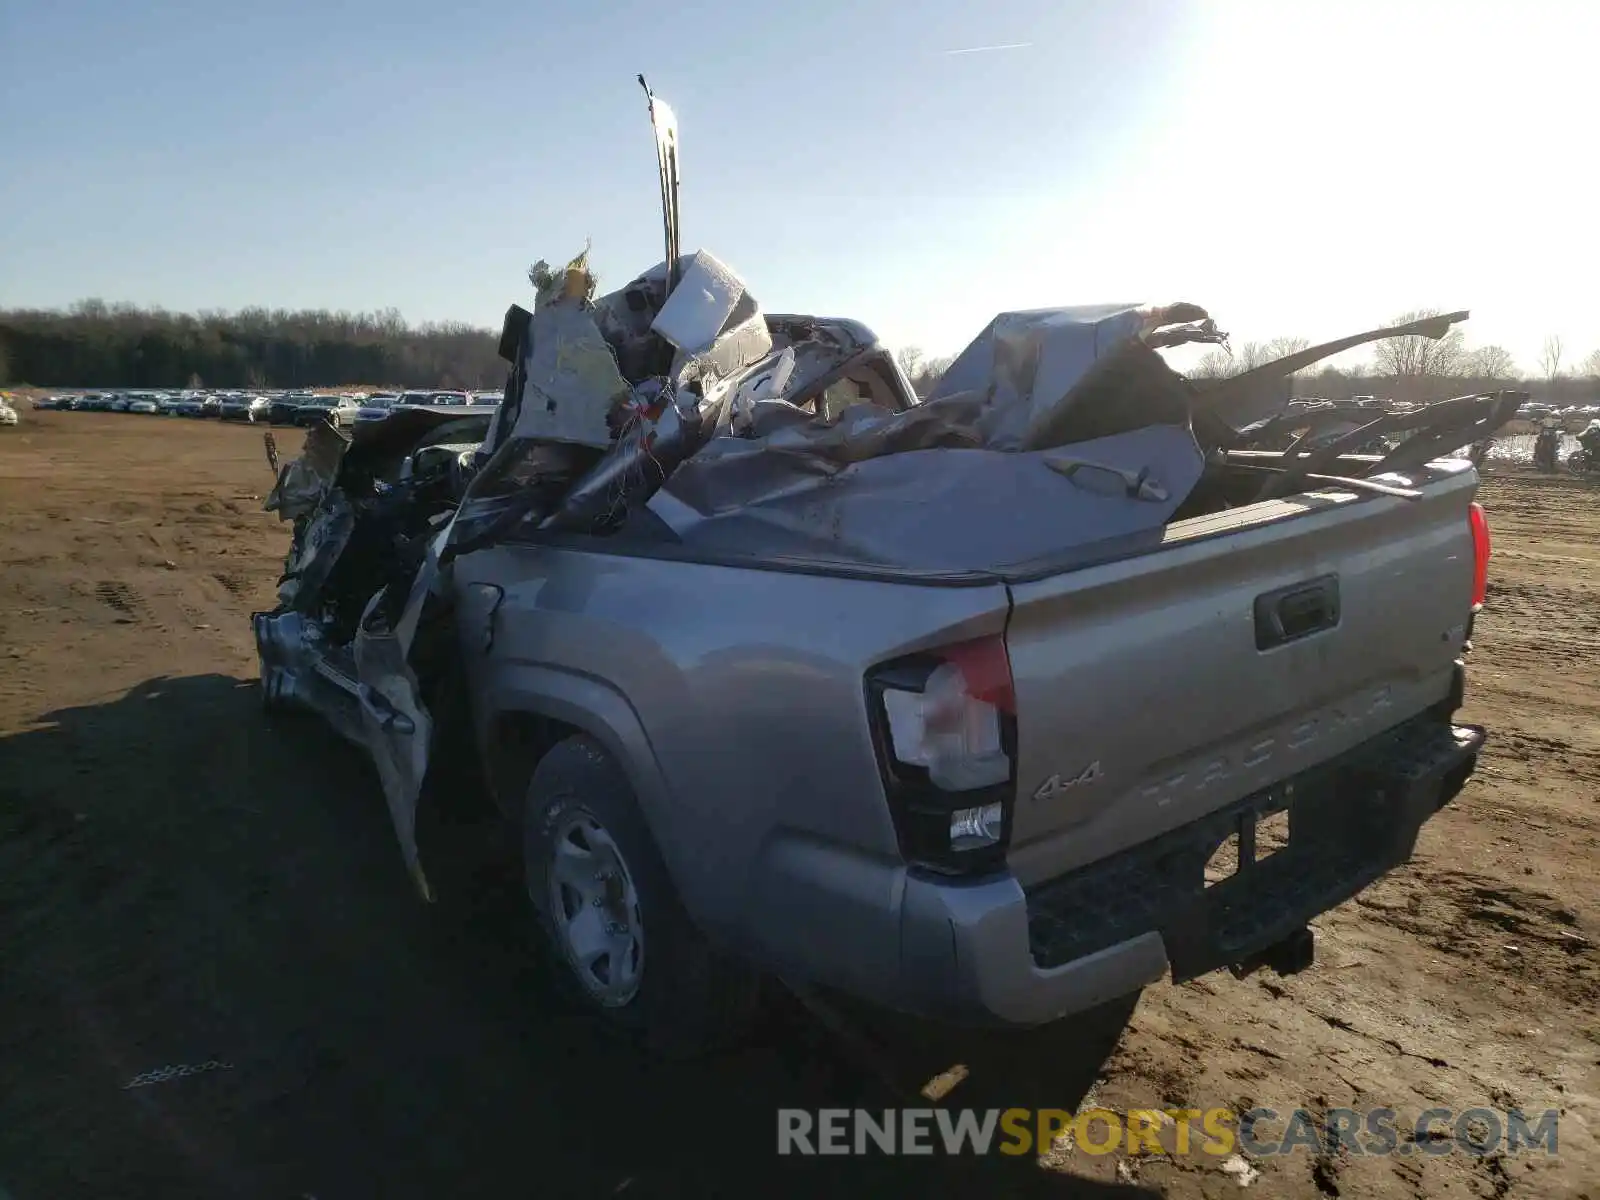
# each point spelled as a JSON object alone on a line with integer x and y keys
{"x": 517, "y": 741}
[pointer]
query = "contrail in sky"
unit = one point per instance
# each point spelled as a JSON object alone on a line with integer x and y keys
{"x": 987, "y": 49}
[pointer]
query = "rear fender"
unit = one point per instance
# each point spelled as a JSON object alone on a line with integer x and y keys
{"x": 596, "y": 708}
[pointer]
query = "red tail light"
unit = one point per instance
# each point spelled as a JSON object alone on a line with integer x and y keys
{"x": 944, "y": 726}
{"x": 986, "y": 669}
{"x": 1480, "y": 554}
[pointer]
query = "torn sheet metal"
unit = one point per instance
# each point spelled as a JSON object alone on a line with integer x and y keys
{"x": 769, "y": 383}
{"x": 940, "y": 509}
{"x": 720, "y": 335}
{"x": 396, "y": 726}
{"x": 396, "y": 729}
{"x": 942, "y": 484}
{"x": 571, "y": 383}
{"x": 303, "y": 482}
{"x": 1029, "y": 365}
{"x": 1029, "y": 381}
{"x": 625, "y": 317}
{"x": 315, "y": 551}
{"x": 574, "y": 389}
{"x": 856, "y": 485}
{"x": 647, "y": 453}
{"x": 821, "y": 349}
{"x": 780, "y": 430}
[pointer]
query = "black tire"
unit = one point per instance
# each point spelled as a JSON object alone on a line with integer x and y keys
{"x": 690, "y": 998}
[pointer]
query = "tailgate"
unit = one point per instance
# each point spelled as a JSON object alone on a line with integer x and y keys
{"x": 1252, "y": 645}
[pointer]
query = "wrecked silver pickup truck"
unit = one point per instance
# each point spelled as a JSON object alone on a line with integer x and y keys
{"x": 956, "y": 706}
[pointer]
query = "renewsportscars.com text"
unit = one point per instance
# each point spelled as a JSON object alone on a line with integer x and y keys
{"x": 1259, "y": 1132}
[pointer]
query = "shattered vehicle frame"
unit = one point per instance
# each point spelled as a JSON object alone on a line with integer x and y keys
{"x": 776, "y": 670}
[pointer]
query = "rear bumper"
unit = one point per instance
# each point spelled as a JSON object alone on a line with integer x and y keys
{"x": 1350, "y": 821}
{"x": 987, "y": 951}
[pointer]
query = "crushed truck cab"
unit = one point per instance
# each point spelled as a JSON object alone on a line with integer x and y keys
{"x": 994, "y": 706}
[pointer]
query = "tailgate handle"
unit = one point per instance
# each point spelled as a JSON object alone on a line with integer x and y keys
{"x": 1297, "y": 611}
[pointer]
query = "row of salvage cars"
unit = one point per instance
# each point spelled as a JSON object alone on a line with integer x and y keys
{"x": 304, "y": 408}
{"x": 775, "y": 670}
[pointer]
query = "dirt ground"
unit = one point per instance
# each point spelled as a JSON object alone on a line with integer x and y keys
{"x": 184, "y": 885}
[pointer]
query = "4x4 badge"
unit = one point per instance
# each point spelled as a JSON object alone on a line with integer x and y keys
{"x": 1057, "y": 784}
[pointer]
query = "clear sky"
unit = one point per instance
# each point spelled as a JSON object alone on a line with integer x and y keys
{"x": 1297, "y": 168}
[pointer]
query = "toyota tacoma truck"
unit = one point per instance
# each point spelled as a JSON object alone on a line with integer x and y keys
{"x": 990, "y": 707}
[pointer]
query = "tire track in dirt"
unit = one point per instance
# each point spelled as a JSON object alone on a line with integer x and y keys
{"x": 1521, "y": 617}
{"x": 122, "y": 598}
{"x": 235, "y": 585}
{"x": 1516, "y": 754}
{"x": 1517, "y": 930}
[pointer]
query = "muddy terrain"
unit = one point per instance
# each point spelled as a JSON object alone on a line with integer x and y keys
{"x": 215, "y": 979}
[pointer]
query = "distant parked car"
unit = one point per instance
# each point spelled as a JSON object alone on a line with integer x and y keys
{"x": 234, "y": 408}
{"x": 314, "y": 411}
{"x": 188, "y": 407}
{"x": 415, "y": 398}
{"x": 345, "y": 410}
{"x": 8, "y": 415}
{"x": 375, "y": 408}
{"x": 147, "y": 407}
{"x": 282, "y": 410}
{"x": 340, "y": 410}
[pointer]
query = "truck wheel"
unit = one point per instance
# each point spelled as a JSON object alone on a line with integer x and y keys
{"x": 625, "y": 948}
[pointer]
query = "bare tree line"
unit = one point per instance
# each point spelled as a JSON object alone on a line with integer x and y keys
{"x": 921, "y": 371}
{"x": 96, "y": 344}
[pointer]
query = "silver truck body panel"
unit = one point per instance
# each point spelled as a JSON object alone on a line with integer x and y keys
{"x": 1148, "y": 667}
{"x": 752, "y": 707}
{"x": 743, "y": 724}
